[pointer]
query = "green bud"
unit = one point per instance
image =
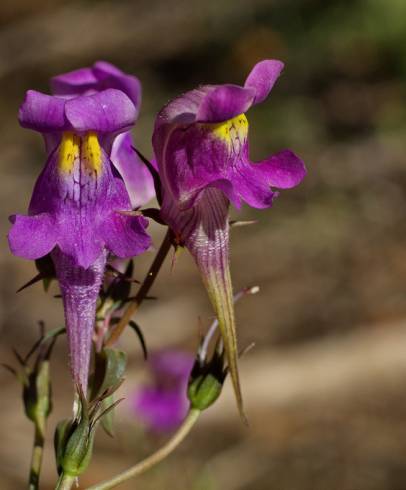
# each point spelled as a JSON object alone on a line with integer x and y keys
{"x": 74, "y": 439}
{"x": 37, "y": 392}
{"x": 77, "y": 445}
{"x": 78, "y": 452}
{"x": 204, "y": 390}
{"x": 206, "y": 380}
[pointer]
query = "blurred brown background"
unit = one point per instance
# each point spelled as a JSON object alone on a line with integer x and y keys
{"x": 325, "y": 386}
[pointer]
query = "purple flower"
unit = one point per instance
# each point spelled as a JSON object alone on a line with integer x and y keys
{"x": 102, "y": 76}
{"x": 201, "y": 146}
{"x": 163, "y": 405}
{"x": 74, "y": 213}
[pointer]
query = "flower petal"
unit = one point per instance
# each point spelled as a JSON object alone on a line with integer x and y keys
{"x": 101, "y": 76}
{"x": 282, "y": 170}
{"x": 137, "y": 178}
{"x": 253, "y": 181}
{"x": 125, "y": 236}
{"x": 263, "y": 77}
{"x": 76, "y": 209}
{"x": 225, "y": 102}
{"x": 110, "y": 111}
{"x": 110, "y": 76}
{"x": 83, "y": 245}
{"x": 85, "y": 210}
{"x": 104, "y": 68}
{"x": 74, "y": 82}
{"x": 192, "y": 160}
{"x": 182, "y": 109}
{"x": 32, "y": 237}
{"x": 43, "y": 113}
{"x": 251, "y": 188}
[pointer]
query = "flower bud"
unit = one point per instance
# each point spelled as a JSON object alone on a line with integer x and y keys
{"x": 37, "y": 392}
{"x": 206, "y": 379}
{"x": 73, "y": 442}
{"x": 203, "y": 391}
{"x": 35, "y": 379}
{"x": 73, "y": 439}
{"x": 78, "y": 449}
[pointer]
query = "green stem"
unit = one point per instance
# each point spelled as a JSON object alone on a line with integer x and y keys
{"x": 156, "y": 457}
{"x": 37, "y": 454}
{"x": 65, "y": 482}
{"x": 143, "y": 291}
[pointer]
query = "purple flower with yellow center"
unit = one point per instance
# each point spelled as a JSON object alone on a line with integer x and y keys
{"x": 75, "y": 209}
{"x": 163, "y": 404}
{"x": 201, "y": 146}
{"x": 101, "y": 76}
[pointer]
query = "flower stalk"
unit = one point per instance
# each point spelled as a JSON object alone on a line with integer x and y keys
{"x": 37, "y": 454}
{"x": 155, "y": 458}
{"x": 65, "y": 482}
{"x": 143, "y": 290}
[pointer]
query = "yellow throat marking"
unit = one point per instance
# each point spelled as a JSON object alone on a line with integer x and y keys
{"x": 91, "y": 151}
{"x": 230, "y": 130}
{"x": 68, "y": 151}
{"x": 73, "y": 146}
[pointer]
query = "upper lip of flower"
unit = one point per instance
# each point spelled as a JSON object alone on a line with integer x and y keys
{"x": 216, "y": 103}
{"x": 100, "y": 76}
{"x": 107, "y": 112}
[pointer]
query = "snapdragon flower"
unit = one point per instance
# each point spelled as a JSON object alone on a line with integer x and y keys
{"x": 74, "y": 213}
{"x": 201, "y": 146}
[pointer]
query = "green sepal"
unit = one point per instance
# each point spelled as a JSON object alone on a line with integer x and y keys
{"x": 62, "y": 432}
{"x": 141, "y": 338}
{"x": 219, "y": 288}
{"x": 107, "y": 420}
{"x": 109, "y": 372}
